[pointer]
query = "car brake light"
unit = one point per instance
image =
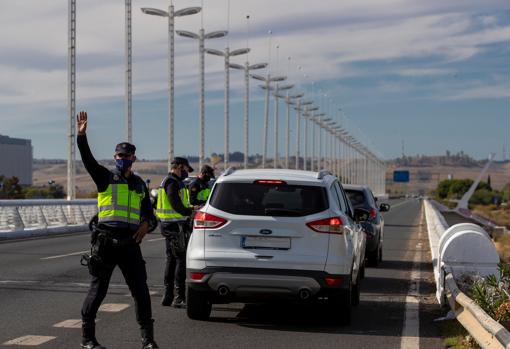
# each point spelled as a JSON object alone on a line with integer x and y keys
{"x": 204, "y": 220}
{"x": 197, "y": 276}
{"x": 334, "y": 281}
{"x": 373, "y": 213}
{"x": 269, "y": 181}
{"x": 333, "y": 225}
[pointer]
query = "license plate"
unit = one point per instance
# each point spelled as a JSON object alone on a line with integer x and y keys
{"x": 267, "y": 243}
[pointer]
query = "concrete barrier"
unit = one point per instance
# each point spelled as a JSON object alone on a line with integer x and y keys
{"x": 464, "y": 249}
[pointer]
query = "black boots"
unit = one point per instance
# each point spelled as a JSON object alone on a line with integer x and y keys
{"x": 179, "y": 302}
{"x": 180, "y": 297}
{"x": 89, "y": 340}
{"x": 167, "y": 298}
{"x": 148, "y": 337}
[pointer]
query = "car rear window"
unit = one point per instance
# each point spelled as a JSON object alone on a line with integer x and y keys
{"x": 282, "y": 200}
{"x": 357, "y": 197}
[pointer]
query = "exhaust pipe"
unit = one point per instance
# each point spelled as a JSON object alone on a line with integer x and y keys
{"x": 304, "y": 294}
{"x": 223, "y": 290}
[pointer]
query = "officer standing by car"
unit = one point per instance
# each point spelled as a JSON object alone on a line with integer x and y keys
{"x": 123, "y": 220}
{"x": 199, "y": 189}
{"x": 173, "y": 211}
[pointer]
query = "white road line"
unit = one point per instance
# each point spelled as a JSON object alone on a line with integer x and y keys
{"x": 73, "y": 323}
{"x": 113, "y": 307}
{"x": 410, "y": 338}
{"x": 30, "y": 340}
{"x": 65, "y": 255}
{"x": 157, "y": 239}
{"x": 402, "y": 203}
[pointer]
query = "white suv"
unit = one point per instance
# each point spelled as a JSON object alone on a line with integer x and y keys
{"x": 273, "y": 234}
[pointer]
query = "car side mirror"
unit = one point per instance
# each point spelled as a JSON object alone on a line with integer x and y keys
{"x": 361, "y": 215}
{"x": 384, "y": 208}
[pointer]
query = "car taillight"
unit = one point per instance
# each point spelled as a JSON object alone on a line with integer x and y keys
{"x": 197, "y": 276}
{"x": 373, "y": 213}
{"x": 334, "y": 281}
{"x": 204, "y": 220}
{"x": 270, "y": 181}
{"x": 333, "y": 225}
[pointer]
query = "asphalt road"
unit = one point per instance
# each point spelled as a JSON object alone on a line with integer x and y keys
{"x": 42, "y": 284}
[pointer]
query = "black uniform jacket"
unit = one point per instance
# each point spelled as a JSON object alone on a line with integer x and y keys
{"x": 101, "y": 177}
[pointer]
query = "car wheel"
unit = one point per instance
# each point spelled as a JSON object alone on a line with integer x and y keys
{"x": 339, "y": 306}
{"x": 198, "y": 305}
{"x": 374, "y": 257}
{"x": 356, "y": 292}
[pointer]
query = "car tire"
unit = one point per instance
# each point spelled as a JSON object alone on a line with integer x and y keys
{"x": 375, "y": 257}
{"x": 198, "y": 305}
{"x": 339, "y": 307}
{"x": 356, "y": 291}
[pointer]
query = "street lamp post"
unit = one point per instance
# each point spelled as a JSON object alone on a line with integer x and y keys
{"x": 267, "y": 87}
{"x": 226, "y": 55}
{"x": 308, "y": 114}
{"x": 171, "y": 14}
{"x": 288, "y": 101}
{"x": 277, "y": 96}
{"x": 247, "y": 68}
{"x": 299, "y": 110}
{"x": 201, "y": 37}
{"x": 71, "y": 100}
{"x": 129, "y": 73}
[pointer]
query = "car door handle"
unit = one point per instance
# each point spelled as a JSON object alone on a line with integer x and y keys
{"x": 264, "y": 257}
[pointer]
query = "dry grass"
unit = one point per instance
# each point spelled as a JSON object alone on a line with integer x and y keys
{"x": 500, "y": 216}
{"x": 503, "y": 247}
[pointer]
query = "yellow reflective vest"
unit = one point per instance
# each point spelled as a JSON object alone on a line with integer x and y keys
{"x": 164, "y": 210}
{"x": 120, "y": 204}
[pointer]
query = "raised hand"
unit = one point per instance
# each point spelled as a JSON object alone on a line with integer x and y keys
{"x": 81, "y": 122}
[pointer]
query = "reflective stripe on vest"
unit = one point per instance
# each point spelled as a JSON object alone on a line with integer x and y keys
{"x": 165, "y": 211}
{"x": 203, "y": 194}
{"x": 119, "y": 204}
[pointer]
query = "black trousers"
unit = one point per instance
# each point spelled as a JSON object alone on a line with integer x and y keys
{"x": 175, "y": 270}
{"x": 130, "y": 261}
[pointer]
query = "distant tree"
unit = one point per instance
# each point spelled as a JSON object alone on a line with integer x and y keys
{"x": 489, "y": 181}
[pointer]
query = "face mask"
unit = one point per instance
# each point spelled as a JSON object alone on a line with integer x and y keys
{"x": 184, "y": 174}
{"x": 123, "y": 164}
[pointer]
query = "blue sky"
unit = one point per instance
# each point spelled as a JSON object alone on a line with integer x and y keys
{"x": 433, "y": 74}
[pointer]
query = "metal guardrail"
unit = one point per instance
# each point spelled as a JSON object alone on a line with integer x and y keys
{"x": 487, "y": 332}
{"x": 23, "y": 218}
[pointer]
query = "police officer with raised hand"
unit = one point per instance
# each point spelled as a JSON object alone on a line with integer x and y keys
{"x": 173, "y": 210}
{"x": 199, "y": 189}
{"x": 123, "y": 221}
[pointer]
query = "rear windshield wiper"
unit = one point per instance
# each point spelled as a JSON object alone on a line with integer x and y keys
{"x": 282, "y": 212}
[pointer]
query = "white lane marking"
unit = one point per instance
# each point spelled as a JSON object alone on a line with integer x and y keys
{"x": 401, "y": 203}
{"x": 411, "y": 332}
{"x": 157, "y": 239}
{"x": 72, "y": 323}
{"x": 64, "y": 255}
{"x": 30, "y": 340}
{"x": 113, "y": 307}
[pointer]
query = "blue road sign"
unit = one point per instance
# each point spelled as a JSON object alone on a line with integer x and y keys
{"x": 401, "y": 176}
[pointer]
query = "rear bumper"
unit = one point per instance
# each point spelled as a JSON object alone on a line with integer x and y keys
{"x": 254, "y": 284}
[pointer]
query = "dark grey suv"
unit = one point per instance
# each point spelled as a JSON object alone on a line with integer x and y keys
{"x": 362, "y": 197}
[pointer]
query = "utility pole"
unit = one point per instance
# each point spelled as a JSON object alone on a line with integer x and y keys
{"x": 71, "y": 98}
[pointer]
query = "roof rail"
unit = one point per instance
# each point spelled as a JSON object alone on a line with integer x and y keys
{"x": 323, "y": 173}
{"x": 229, "y": 171}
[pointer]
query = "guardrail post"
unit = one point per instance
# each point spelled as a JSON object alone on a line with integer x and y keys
{"x": 43, "y": 218}
{"x": 17, "y": 220}
{"x": 63, "y": 216}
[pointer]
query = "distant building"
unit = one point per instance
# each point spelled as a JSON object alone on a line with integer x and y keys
{"x": 16, "y": 158}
